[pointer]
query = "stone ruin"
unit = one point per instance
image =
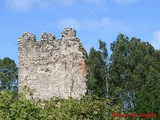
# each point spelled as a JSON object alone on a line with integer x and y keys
{"x": 52, "y": 68}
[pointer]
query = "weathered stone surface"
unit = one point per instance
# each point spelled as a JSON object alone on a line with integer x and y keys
{"x": 52, "y": 68}
{"x": 68, "y": 33}
{"x": 28, "y": 36}
{"x": 48, "y": 36}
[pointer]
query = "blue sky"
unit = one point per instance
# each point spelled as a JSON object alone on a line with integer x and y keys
{"x": 92, "y": 19}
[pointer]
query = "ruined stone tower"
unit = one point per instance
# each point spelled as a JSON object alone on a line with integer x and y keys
{"x": 50, "y": 67}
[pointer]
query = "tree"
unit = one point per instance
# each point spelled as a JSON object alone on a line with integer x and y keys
{"x": 118, "y": 74}
{"x": 8, "y": 75}
{"x": 96, "y": 61}
{"x": 103, "y": 50}
{"x": 147, "y": 98}
{"x": 133, "y": 74}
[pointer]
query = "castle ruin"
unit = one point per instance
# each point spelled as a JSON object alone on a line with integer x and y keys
{"x": 52, "y": 68}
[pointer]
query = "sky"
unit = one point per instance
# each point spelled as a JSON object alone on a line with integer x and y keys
{"x": 92, "y": 19}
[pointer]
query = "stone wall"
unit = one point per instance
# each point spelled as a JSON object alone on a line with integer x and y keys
{"x": 50, "y": 67}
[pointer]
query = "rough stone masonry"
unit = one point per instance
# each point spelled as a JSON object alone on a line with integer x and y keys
{"x": 52, "y": 68}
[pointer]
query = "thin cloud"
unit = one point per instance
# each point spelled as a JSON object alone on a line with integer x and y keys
{"x": 97, "y": 2}
{"x": 156, "y": 41}
{"x": 69, "y": 22}
{"x": 101, "y": 4}
{"x": 100, "y": 26}
{"x": 66, "y": 2}
{"x": 19, "y": 4}
{"x": 126, "y": 1}
{"x": 106, "y": 24}
{"x": 24, "y": 5}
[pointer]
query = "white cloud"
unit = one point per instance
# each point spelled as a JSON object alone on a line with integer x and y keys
{"x": 98, "y": 2}
{"x": 42, "y": 4}
{"x": 19, "y": 4}
{"x": 126, "y": 1}
{"x": 156, "y": 42}
{"x": 69, "y": 22}
{"x": 102, "y": 4}
{"x": 66, "y": 2}
{"x": 23, "y": 5}
{"x": 106, "y": 24}
{"x": 97, "y": 26}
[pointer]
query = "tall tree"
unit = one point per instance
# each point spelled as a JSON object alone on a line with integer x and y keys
{"x": 133, "y": 73}
{"x": 103, "y": 50}
{"x": 96, "y": 61}
{"x": 118, "y": 74}
{"x": 8, "y": 74}
{"x": 148, "y": 96}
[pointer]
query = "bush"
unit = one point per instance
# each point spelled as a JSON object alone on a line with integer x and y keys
{"x": 88, "y": 108}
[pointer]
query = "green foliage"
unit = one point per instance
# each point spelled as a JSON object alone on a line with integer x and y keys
{"x": 8, "y": 74}
{"x": 134, "y": 77}
{"x": 88, "y": 108}
{"x": 103, "y": 50}
{"x": 13, "y": 108}
{"x": 96, "y": 62}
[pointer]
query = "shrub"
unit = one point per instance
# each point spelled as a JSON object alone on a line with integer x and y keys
{"x": 88, "y": 108}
